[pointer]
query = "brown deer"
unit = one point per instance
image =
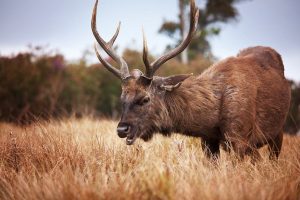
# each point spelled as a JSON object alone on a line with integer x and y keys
{"x": 241, "y": 101}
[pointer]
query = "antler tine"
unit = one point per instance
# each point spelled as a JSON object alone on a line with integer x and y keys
{"x": 113, "y": 39}
{"x": 108, "y": 48}
{"x": 194, "y": 15}
{"x": 108, "y": 66}
{"x": 145, "y": 55}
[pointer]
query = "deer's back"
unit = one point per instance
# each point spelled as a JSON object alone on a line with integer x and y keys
{"x": 254, "y": 90}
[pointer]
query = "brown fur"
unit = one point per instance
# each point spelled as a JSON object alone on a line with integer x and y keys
{"x": 242, "y": 101}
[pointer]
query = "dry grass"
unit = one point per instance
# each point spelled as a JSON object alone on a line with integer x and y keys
{"x": 85, "y": 159}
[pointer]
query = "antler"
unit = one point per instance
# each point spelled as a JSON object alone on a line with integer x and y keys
{"x": 108, "y": 48}
{"x": 154, "y": 66}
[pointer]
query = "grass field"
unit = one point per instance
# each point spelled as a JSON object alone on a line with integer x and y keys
{"x": 85, "y": 159}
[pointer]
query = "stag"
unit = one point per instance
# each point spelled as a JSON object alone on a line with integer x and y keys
{"x": 241, "y": 101}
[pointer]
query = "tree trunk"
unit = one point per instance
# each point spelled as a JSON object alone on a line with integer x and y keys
{"x": 183, "y": 30}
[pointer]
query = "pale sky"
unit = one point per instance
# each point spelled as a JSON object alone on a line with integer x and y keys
{"x": 65, "y": 25}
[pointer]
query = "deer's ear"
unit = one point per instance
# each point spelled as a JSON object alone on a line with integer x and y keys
{"x": 145, "y": 81}
{"x": 172, "y": 82}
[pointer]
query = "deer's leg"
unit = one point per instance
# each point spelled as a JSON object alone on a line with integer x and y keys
{"x": 240, "y": 149}
{"x": 275, "y": 146}
{"x": 211, "y": 148}
{"x": 254, "y": 154}
{"x": 237, "y": 135}
{"x": 238, "y": 114}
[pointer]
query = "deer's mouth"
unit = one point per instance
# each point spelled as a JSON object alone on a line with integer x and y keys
{"x": 132, "y": 135}
{"x": 135, "y": 133}
{"x": 130, "y": 139}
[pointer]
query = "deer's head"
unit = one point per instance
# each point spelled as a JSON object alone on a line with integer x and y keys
{"x": 143, "y": 109}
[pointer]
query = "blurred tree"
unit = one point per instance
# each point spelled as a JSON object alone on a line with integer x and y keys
{"x": 292, "y": 124}
{"x": 213, "y": 13}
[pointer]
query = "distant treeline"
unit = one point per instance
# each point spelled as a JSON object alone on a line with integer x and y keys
{"x": 34, "y": 86}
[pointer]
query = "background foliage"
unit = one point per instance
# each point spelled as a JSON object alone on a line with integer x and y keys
{"x": 36, "y": 85}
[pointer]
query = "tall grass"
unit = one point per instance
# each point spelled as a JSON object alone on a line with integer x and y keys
{"x": 85, "y": 159}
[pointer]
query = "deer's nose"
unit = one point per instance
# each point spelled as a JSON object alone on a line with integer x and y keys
{"x": 123, "y": 129}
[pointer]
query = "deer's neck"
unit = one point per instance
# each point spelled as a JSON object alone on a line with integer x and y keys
{"x": 194, "y": 106}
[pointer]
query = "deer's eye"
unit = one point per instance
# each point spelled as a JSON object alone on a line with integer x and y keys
{"x": 143, "y": 101}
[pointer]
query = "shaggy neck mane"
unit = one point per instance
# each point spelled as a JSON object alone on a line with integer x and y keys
{"x": 195, "y": 104}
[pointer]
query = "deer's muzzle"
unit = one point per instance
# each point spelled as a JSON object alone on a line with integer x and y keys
{"x": 123, "y": 130}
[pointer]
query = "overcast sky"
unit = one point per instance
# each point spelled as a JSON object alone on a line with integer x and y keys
{"x": 65, "y": 25}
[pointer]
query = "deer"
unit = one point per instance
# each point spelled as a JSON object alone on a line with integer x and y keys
{"x": 241, "y": 101}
